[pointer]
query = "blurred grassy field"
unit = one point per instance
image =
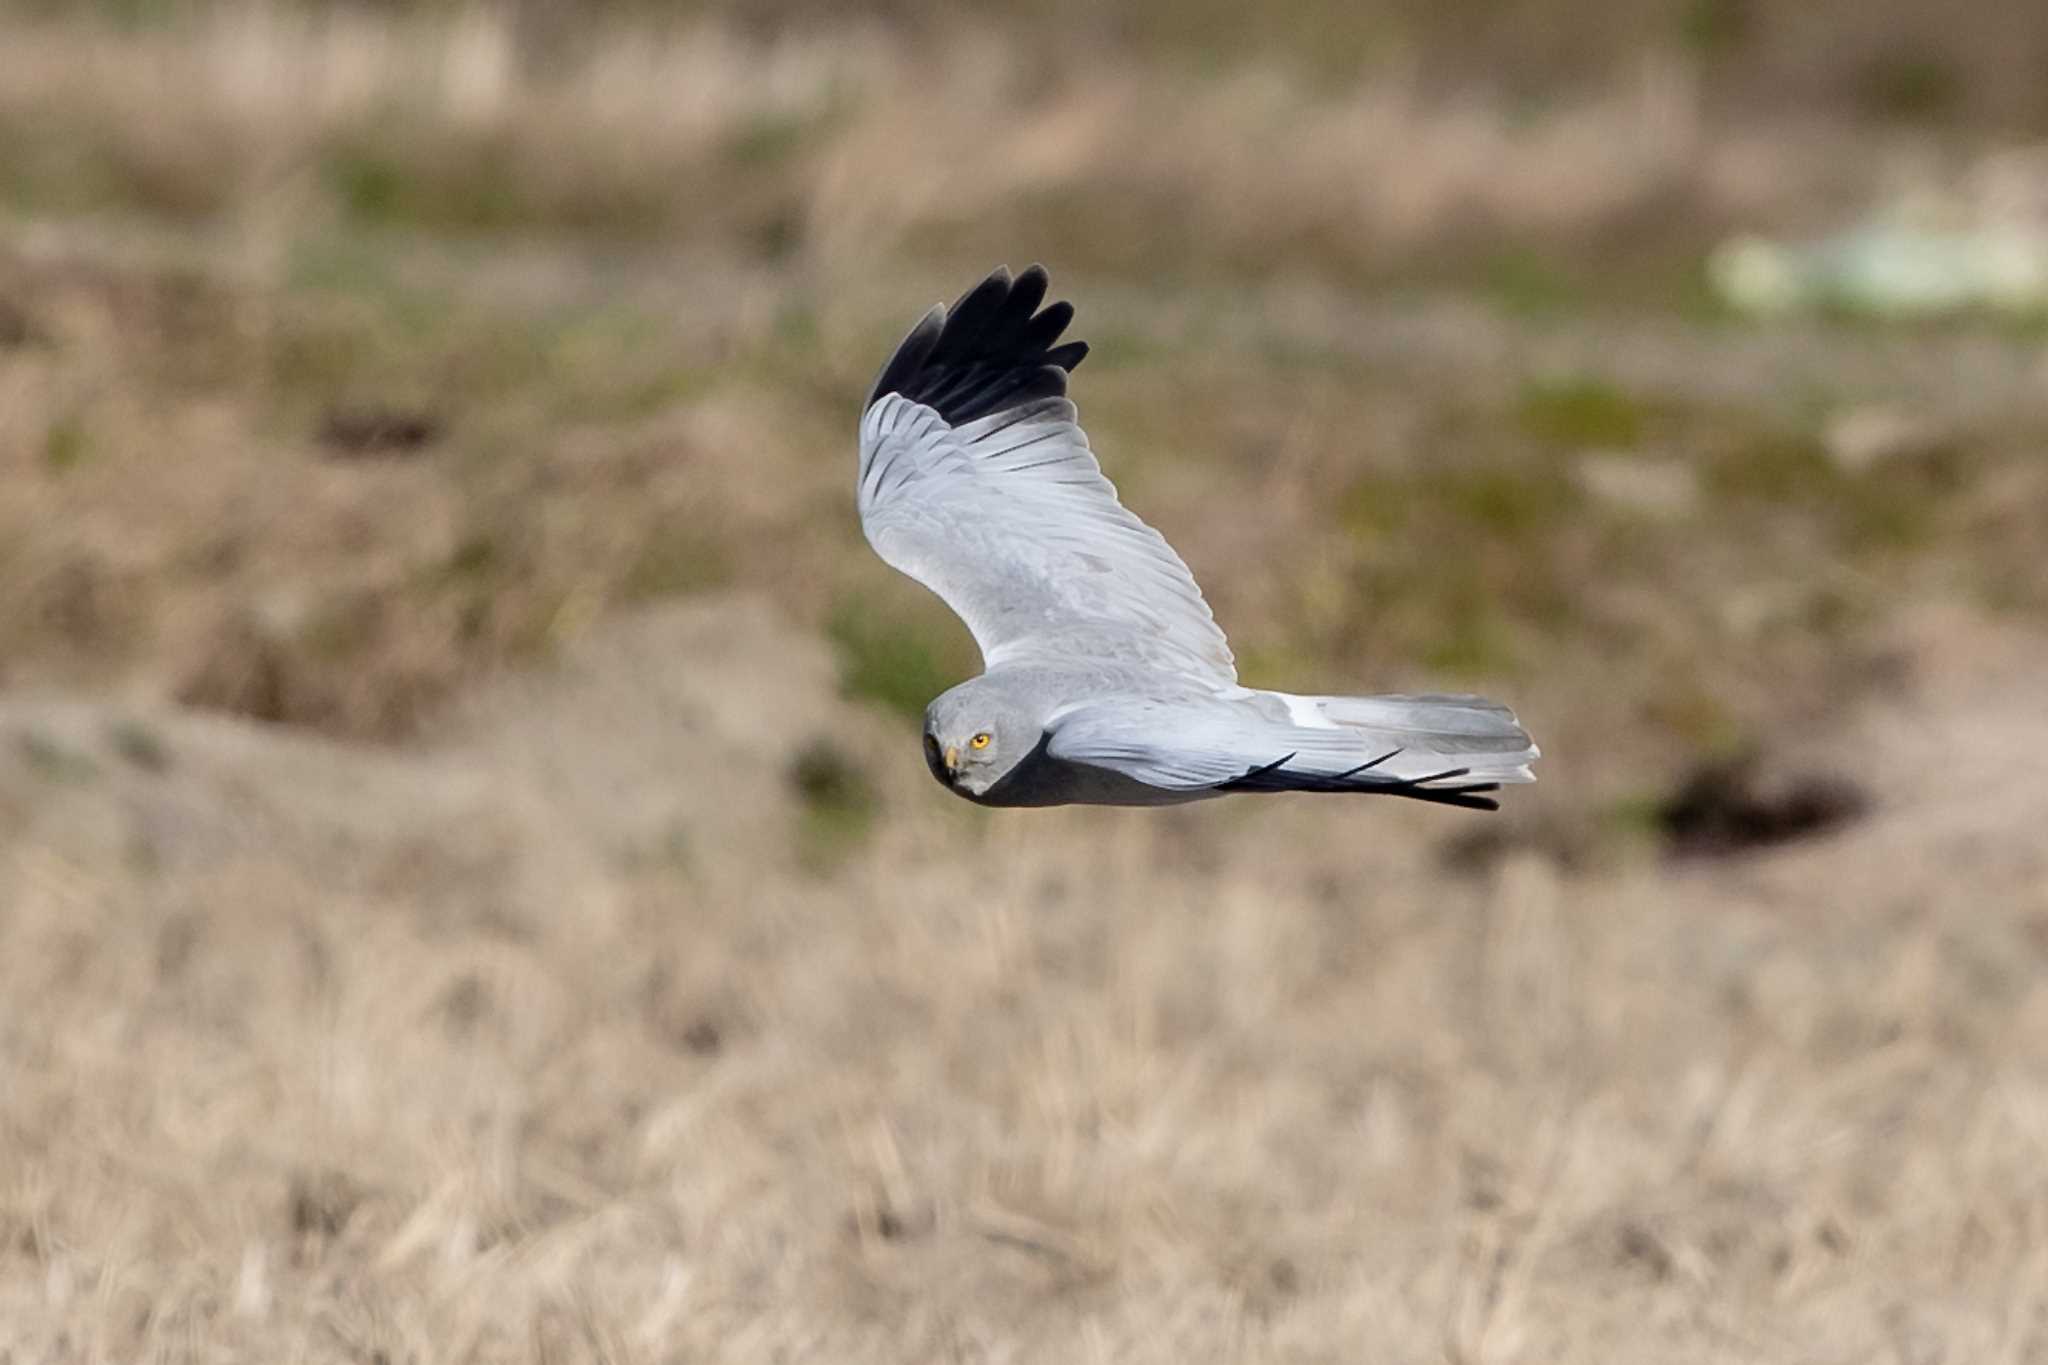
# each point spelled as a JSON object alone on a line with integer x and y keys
{"x": 468, "y": 886}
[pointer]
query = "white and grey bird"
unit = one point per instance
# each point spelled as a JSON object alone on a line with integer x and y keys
{"x": 1105, "y": 678}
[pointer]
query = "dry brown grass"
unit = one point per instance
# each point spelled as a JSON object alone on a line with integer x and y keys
{"x": 452, "y": 909}
{"x": 845, "y": 143}
{"x": 539, "y": 1045}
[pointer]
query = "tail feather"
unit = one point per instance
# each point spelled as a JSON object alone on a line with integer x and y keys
{"x": 1427, "y": 734}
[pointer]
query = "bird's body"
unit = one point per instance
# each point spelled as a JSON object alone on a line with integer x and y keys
{"x": 1106, "y": 681}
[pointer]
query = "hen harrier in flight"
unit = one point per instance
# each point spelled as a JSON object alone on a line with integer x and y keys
{"x": 1106, "y": 681}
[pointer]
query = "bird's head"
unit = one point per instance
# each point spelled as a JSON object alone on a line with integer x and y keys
{"x": 975, "y": 734}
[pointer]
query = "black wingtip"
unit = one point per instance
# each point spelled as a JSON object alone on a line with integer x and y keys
{"x": 1276, "y": 777}
{"x": 992, "y": 350}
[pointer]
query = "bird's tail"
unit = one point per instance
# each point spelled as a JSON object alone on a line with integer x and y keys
{"x": 1428, "y": 733}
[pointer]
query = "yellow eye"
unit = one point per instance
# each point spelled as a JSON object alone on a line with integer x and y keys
{"x": 981, "y": 740}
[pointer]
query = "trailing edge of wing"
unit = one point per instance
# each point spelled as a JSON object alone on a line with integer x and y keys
{"x": 1278, "y": 777}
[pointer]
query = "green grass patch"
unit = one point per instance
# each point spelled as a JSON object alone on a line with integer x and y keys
{"x": 766, "y": 141}
{"x": 1581, "y": 412}
{"x": 837, "y": 802}
{"x": 1692, "y": 714}
{"x": 494, "y": 181}
{"x": 66, "y": 445}
{"x": 889, "y": 662}
{"x": 1898, "y": 505}
{"x": 1503, "y": 502}
{"x": 673, "y": 560}
{"x": 76, "y": 160}
{"x": 140, "y": 745}
{"x": 1911, "y": 85}
{"x": 1716, "y": 28}
{"x": 1459, "y": 565}
{"x": 1506, "y": 503}
{"x": 53, "y": 759}
{"x": 1526, "y": 284}
{"x": 1771, "y": 466}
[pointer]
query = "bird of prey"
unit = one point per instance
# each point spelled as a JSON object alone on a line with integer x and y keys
{"x": 1105, "y": 678}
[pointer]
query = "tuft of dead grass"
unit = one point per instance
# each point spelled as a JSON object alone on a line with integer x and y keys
{"x": 521, "y": 1047}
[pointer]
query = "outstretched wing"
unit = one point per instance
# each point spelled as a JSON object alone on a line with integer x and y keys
{"x": 977, "y": 481}
{"x": 1450, "y": 750}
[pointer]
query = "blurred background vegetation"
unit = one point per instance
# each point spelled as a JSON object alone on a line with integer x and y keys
{"x": 353, "y": 349}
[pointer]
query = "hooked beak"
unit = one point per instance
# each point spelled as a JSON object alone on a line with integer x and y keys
{"x": 952, "y": 758}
